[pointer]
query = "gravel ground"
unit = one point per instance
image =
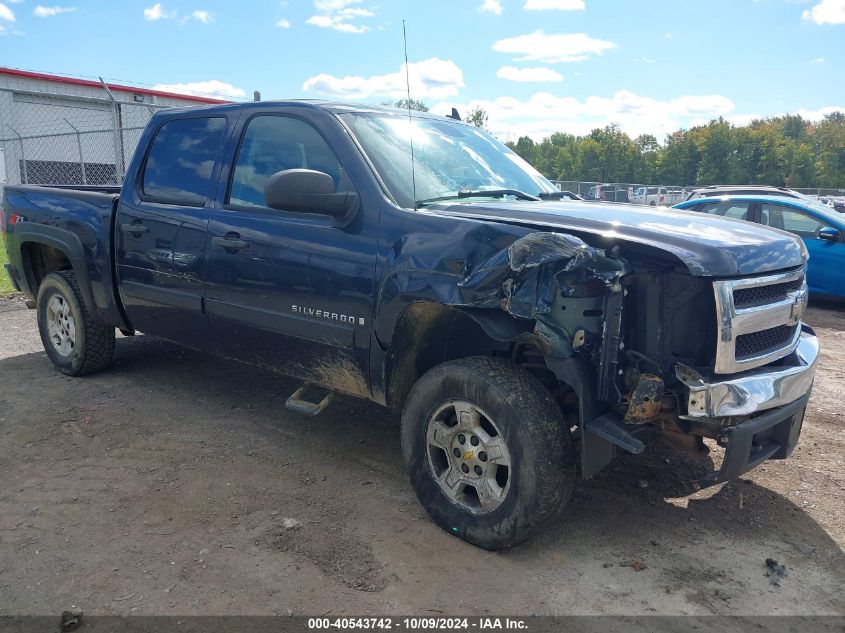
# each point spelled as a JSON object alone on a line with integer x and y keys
{"x": 177, "y": 483}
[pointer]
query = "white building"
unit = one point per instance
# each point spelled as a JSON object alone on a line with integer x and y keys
{"x": 63, "y": 130}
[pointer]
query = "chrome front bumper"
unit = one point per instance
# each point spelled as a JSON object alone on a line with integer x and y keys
{"x": 755, "y": 390}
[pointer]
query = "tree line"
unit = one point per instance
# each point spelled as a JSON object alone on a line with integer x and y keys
{"x": 781, "y": 151}
{"x": 786, "y": 151}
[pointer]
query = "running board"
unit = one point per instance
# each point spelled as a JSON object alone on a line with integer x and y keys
{"x": 298, "y": 404}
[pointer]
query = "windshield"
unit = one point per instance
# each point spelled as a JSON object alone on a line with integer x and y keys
{"x": 448, "y": 157}
{"x": 823, "y": 209}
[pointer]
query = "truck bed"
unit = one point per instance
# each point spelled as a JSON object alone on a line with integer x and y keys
{"x": 76, "y": 221}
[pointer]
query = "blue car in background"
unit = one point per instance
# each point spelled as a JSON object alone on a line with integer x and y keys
{"x": 821, "y": 228}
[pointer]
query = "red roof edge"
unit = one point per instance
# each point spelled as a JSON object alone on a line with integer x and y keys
{"x": 14, "y": 72}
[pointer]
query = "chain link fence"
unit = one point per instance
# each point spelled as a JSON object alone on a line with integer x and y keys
{"x": 51, "y": 139}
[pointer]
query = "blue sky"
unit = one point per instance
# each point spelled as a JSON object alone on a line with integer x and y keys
{"x": 536, "y": 66}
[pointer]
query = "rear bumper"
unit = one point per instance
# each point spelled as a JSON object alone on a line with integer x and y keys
{"x": 756, "y": 390}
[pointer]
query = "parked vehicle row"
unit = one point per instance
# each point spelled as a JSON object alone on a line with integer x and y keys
{"x": 835, "y": 202}
{"x": 660, "y": 195}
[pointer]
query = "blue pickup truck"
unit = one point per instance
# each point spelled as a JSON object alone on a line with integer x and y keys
{"x": 527, "y": 339}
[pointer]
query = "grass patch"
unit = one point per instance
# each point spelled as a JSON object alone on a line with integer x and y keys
{"x": 6, "y": 289}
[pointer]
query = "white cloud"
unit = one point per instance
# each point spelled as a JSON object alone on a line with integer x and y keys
{"x": 511, "y": 73}
{"x": 491, "y": 6}
{"x": 283, "y": 24}
{"x": 158, "y": 12}
{"x": 212, "y": 88}
{"x": 807, "y": 115}
{"x": 200, "y": 15}
{"x": 817, "y": 60}
{"x": 48, "y": 12}
{"x": 553, "y": 49}
{"x": 6, "y": 13}
{"x": 818, "y": 115}
{"x": 559, "y": 5}
{"x": 544, "y": 113}
{"x": 735, "y": 119}
{"x": 826, "y": 12}
{"x": 340, "y": 15}
{"x": 432, "y": 78}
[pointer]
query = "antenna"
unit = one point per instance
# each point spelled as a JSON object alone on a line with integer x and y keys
{"x": 410, "y": 122}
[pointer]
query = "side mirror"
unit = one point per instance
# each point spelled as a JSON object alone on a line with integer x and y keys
{"x": 829, "y": 234}
{"x": 309, "y": 191}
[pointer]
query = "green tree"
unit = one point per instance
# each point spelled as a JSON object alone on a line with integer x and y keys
{"x": 416, "y": 104}
{"x": 645, "y": 159}
{"x": 525, "y": 147}
{"x": 785, "y": 150}
{"x": 478, "y": 117}
{"x": 830, "y": 148}
{"x": 715, "y": 145}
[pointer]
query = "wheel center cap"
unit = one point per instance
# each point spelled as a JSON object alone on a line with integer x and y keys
{"x": 468, "y": 455}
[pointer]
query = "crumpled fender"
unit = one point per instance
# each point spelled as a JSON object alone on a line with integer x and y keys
{"x": 501, "y": 282}
{"x": 520, "y": 278}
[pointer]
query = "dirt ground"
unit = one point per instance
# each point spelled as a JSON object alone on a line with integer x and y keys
{"x": 177, "y": 483}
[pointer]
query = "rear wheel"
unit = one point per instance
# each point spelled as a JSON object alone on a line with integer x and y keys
{"x": 487, "y": 450}
{"x": 76, "y": 342}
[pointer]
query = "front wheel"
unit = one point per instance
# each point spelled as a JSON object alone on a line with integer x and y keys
{"x": 76, "y": 342}
{"x": 488, "y": 451}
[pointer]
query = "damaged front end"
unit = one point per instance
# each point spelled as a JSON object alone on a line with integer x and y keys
{"x": 575, "y": 296}
{"x": 631, "y": 338}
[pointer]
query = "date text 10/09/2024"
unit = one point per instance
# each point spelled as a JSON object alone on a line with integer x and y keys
{"x": 418, "y": 623}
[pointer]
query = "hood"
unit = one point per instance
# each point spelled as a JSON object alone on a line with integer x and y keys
{"x": 709, "y": 246}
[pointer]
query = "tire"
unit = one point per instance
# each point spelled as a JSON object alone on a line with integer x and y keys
{"x": 76, "y": 342}
{"x": 479, "y": 393}
{"x": 652, "y": 204}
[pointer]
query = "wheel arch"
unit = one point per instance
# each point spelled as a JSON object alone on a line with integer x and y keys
{"x": 49, "y": 250}
{"x": 429, "y": 333}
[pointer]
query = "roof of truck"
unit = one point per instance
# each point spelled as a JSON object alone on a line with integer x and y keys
{"x": 318, "y": 104}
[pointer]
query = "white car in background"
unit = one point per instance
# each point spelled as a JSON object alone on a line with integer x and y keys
{"x": 657, "y": 196}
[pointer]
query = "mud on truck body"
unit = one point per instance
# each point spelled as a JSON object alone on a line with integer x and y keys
{"x": 526, "y": 339}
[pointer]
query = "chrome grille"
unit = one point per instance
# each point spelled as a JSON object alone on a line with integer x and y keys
{"x": 748, "y": 345}
{"x": 758, "y": 319}
{"x": 757, "y": 295}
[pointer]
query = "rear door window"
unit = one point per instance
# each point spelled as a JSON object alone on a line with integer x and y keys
{"x": 181, "y": 160}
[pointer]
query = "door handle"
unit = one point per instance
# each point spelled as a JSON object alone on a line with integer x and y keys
{"x": 135, "y": 228}
{"x": 232, "y": 241}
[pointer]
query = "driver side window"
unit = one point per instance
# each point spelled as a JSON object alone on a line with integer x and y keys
{"x": 277, "y": 143}
{"x": 792, "y": 220}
